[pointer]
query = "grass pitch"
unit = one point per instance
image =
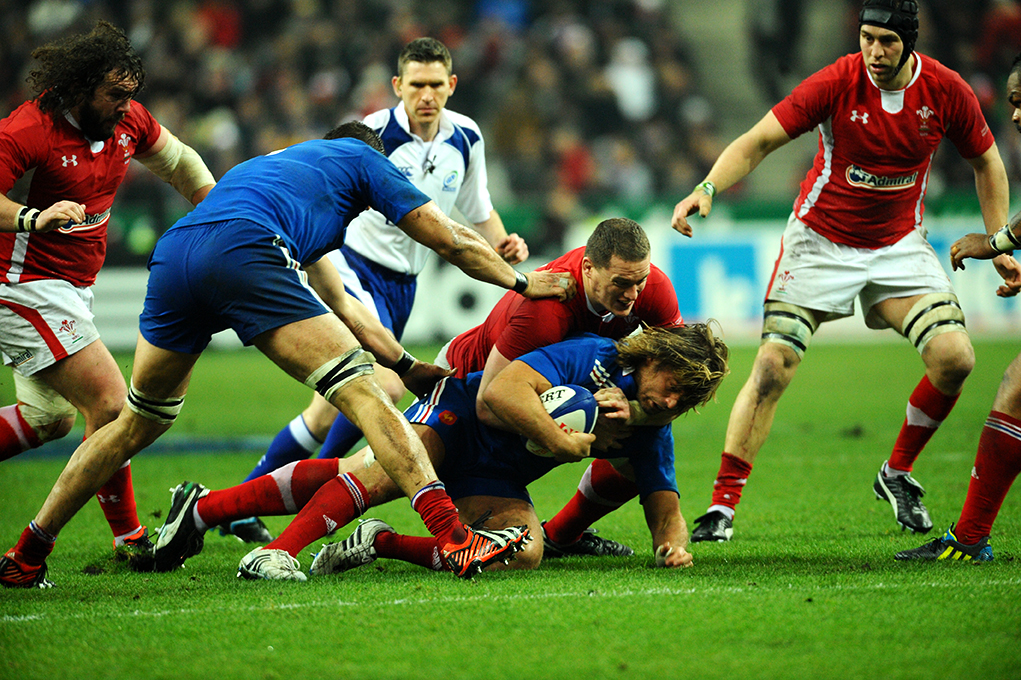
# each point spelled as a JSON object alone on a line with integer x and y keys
{"x": 807, "y": 588}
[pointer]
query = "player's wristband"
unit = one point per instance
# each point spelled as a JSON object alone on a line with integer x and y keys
{"x": 27, "y": 218}
{"x": 520, "y": 283}
{"x": 404, "y": 364}
{"x": 1004, "y": 241}
{"x": 707, "y": 187}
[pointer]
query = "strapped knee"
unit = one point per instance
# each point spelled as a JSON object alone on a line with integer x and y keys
{"x": 163, "y": 411}
{"x": 788, "y": 325}
{"x": 40, "y": 404}
{"x": 336, "y": 373}
{"x": 933, "y": 314}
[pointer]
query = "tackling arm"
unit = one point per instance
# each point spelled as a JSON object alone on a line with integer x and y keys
{"x": 418, "y": 376}
{"x": 495, "y": 363}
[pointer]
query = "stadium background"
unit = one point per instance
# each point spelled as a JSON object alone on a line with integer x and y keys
{"x": 589, "y": 109}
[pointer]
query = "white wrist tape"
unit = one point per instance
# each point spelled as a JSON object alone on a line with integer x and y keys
{"x": 27, "y": 218}
{"x": 1004, "y": 241}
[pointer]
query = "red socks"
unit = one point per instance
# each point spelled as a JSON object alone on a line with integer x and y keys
{"x": 282, "y": 492}
{"x": 927, "y": 409}
{"x": 439, "y": 514}
{"x": 601, "y": 491}
{"x": 16, "y": 435}
{"x": 117, "y": 499}
{"x": 997, "y": 465}
{"x": 34, "y": 546}
{"x": 421, "y": 550}
{"x": 730, "y": 480}
{"x": 336, "y": 503}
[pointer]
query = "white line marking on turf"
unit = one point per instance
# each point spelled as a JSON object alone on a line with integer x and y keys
{"x": 404, "y": 602}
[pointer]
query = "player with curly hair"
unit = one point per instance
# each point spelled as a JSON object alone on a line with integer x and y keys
{"x": 71, "y": 145}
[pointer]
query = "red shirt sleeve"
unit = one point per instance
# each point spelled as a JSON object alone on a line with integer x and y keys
{"x": 810, "y": 102}
{"x": 22, "y": 143}
{"x": 967, "y": 127}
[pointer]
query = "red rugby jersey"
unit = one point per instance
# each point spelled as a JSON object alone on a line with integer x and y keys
{"x": 518, "y": 325}
{"x": 66, "y": 166}
{"x": 868, "y": 181}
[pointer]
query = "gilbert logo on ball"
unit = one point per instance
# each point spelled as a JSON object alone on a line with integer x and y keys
{"x": 573, "y": 409}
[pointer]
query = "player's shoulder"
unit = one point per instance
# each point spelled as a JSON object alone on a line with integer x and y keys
{"x": 27, "y": 116}
{"x": 656, "y": 274}
{"x": 934, "y": 75}
{"x": 572, "y": 258}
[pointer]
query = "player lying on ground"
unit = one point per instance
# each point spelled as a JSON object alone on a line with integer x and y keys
{"x": 620, "y": 290}
{"x": 485, "y": 469}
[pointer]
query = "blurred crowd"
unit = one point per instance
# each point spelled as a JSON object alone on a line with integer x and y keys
{"x": 580, "y": 101}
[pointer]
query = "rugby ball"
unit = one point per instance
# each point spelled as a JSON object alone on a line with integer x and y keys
{"x": 572, "y": 407}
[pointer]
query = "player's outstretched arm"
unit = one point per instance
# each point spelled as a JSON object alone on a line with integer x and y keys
{"x": 739, "y": 158}
{"x": 668, "y": 528}
{"x": 179, "y": 165}
{"x": 997, "y": 246}
{"x": 993, "y": 197}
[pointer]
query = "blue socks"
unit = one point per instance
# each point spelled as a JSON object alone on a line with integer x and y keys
{"x": 291, "y": 444}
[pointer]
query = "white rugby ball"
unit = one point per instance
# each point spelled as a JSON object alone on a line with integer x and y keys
{"x": 572, "y": 407}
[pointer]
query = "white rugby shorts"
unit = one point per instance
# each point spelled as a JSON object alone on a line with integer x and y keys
{"x": 42, "y": 322}
{"x": 816, "y": 273}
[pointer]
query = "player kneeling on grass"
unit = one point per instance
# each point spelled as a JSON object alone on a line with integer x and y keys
{"x": 486, "y": 469}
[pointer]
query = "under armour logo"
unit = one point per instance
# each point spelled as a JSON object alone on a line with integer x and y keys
{"x": 73, "y": 160}
{"x": 331, "y": 526}
{"x": 112, "y": 498}
{"x": 864, "y": 117}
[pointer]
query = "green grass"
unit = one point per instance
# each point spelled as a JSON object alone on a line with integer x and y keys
{"x": 808, "y": 588}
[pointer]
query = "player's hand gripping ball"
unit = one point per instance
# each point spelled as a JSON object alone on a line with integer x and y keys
{"x": 573, "y": 409}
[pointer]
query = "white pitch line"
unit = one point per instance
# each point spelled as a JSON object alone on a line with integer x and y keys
{"x": 8, "y": 619}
